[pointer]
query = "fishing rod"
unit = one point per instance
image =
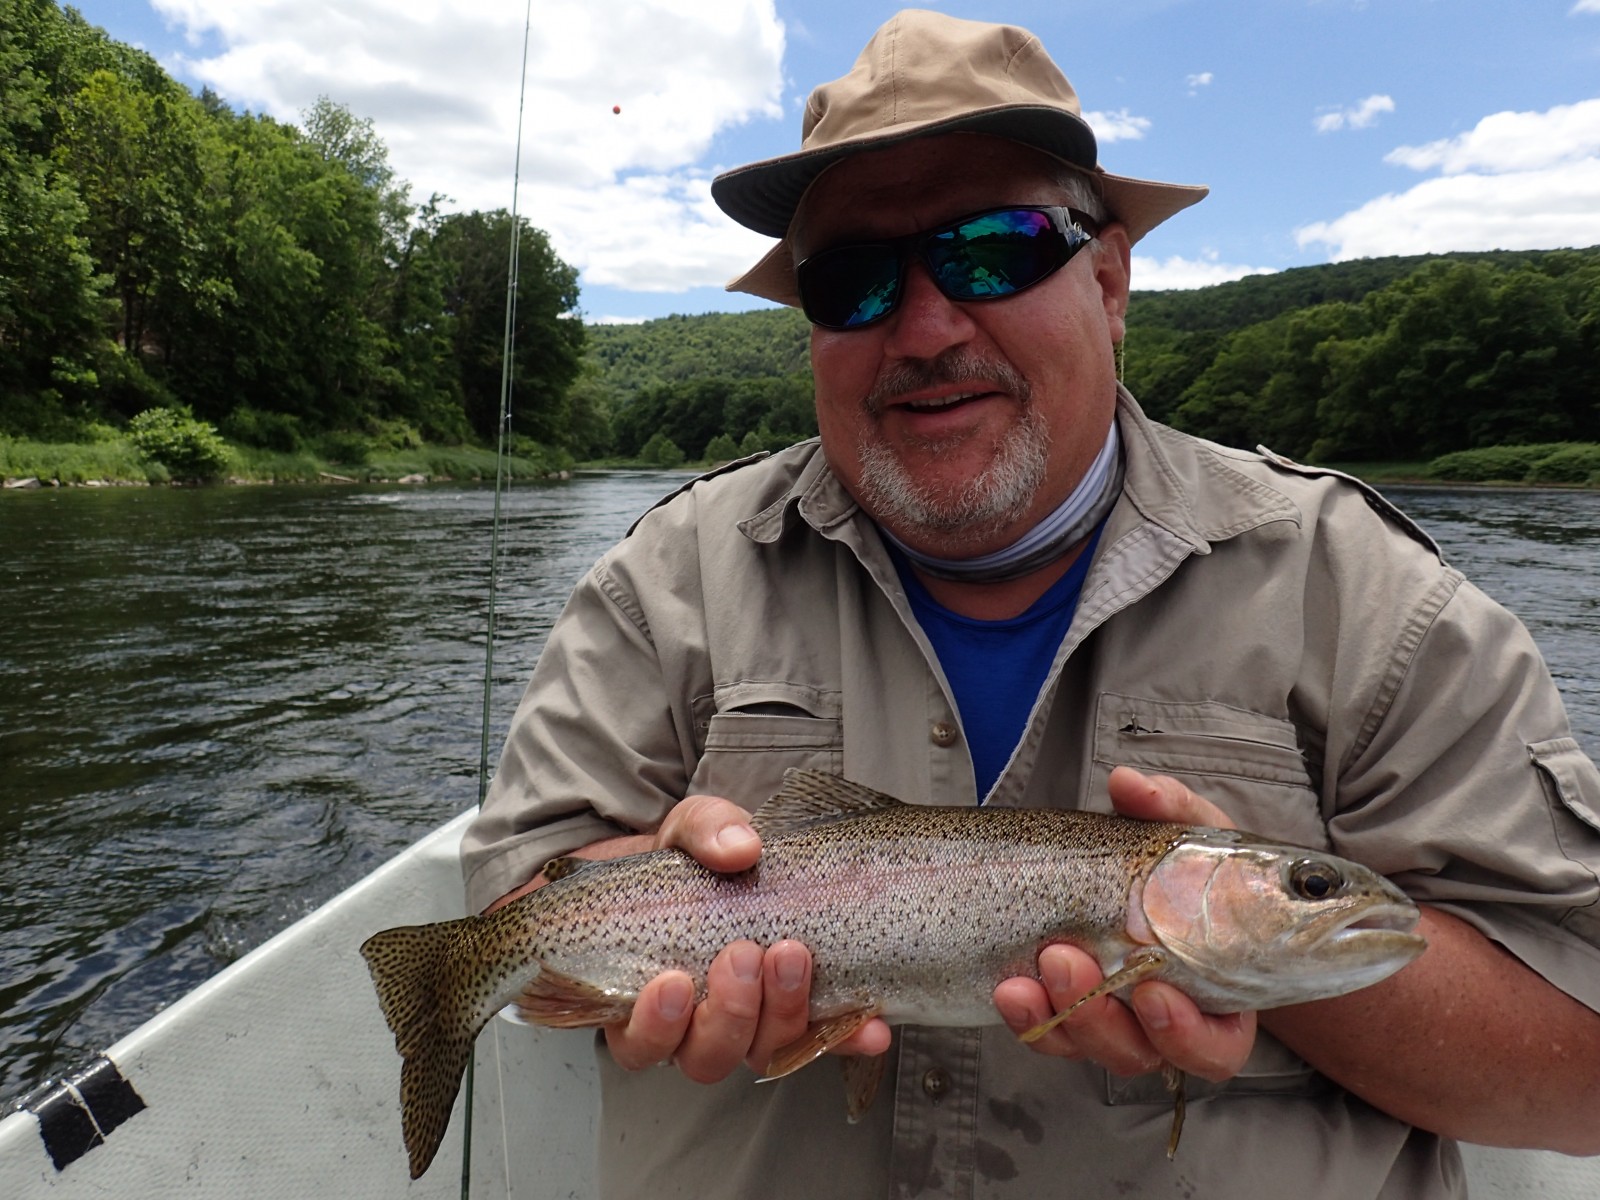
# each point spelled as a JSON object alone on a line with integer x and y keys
{"x": 501, "y": 475}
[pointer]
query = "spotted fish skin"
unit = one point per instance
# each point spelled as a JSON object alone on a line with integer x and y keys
{"x": 911, "y": 913}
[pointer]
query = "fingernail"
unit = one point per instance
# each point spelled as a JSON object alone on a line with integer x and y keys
{"x": 1056, "y": 973}
{"x": 736, "y": 838}
{"x": 791, "y": 972}
{"x": 676, "y": 996}
{"x": 746, "y": 962}
{"x": 1154, "y": 1011}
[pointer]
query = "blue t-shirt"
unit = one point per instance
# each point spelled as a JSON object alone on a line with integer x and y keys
{"x": 996, "y": 668}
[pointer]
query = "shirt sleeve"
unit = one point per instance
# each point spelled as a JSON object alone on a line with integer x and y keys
{"x": 1469, "y": 790}
{"x": 597, "y": 747}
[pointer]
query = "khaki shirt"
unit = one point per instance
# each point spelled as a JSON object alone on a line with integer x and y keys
{"x": 1279, "y": 639}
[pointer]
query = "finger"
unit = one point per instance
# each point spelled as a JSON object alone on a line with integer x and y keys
{"x": 785, "y": 1002}
{"x": 1161, "y": 798}
{"x": 713, "y": 831}
{"x": 1025, "y": 1005}
{"x": 1212, "y": 1046}
{"x": 1102, "y": 1029}
{"x": 871, "y": 1039}
{"x": 724, "y": 1024}
{"x": 657, "y": 1025}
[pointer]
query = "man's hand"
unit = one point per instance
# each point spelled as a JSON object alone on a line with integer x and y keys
{"x": 755, "y": 1002}
{"x": 1162, "y": 1025}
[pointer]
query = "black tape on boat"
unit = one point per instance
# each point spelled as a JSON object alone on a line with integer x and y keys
{"x": 79, "y": 1112}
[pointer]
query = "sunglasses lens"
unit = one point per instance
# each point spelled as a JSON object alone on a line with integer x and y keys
{"x": 995, "y": 254}
{"x": 985, "y": 256}
{"x": 849, "y": 286}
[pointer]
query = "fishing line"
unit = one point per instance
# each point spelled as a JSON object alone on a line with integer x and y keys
{"x": 501, "y": 474}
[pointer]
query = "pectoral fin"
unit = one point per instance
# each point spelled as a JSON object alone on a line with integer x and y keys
{"x": 562, "y": 1002}
{"x": 821, "y": 1037}
{"x": 1140, "y": 964}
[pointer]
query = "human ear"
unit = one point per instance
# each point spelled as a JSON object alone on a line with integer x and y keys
{"x": 1113, "y": 255}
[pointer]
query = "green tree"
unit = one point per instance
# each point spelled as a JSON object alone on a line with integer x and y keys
{"x": 721, "y": 448}
{"x": 548, "y": 342}
{"x": 590, "y": 402}
{"x": 423, "y": 385}
{"x": 133, "y": 155}
{"x": 49, "y": 311}
{"x": 662, "y": 451}
{"x": 184, "y": 447}
{"x": 1266, "y": 381}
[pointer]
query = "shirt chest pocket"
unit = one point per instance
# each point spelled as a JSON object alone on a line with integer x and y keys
{"x": 1249, "y": 764}
{"x": 752, "y": 731}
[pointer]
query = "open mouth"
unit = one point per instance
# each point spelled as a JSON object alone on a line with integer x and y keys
{"x": 942, "y": 403}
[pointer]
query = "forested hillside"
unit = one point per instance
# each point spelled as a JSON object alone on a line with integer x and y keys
{"x": 1404, "y": 358}
{"x": 740, "y": 380}
{"x": 160, "y": 250}
{"x": 1382, "y": 359}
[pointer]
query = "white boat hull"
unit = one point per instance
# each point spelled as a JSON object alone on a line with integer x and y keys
{"x": 278, "y": 1078}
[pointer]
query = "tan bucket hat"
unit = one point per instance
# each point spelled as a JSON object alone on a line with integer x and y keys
{"x": 924, "y": 73}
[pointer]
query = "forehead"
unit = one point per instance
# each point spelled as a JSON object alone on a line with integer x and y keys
{"x": 919, "y": 183}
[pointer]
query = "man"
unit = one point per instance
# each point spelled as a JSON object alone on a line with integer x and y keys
{"x": 994, "y": 581}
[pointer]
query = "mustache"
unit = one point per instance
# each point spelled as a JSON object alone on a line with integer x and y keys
{"x": 954, "y": 366}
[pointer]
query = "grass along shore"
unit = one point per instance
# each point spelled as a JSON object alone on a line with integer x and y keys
{"x": 118, "y": 461}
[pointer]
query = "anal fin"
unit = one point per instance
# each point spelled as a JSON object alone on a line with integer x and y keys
{"x": 563, "y": 1002}
{"x": 817, "y": 1040}
{"x": 1175, "y": 1085}
{"x": 862, "y": 1075}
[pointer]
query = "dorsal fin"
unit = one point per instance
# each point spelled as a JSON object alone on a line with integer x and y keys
{"x": 810, "y": 798}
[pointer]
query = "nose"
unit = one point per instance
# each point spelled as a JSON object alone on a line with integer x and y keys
{"x": 926, "y": 322}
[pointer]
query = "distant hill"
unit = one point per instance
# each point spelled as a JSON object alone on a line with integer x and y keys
{"x": 768, "y": 342}
{"x": 1398, "y": 358}
{"x": 1233, "y": 305}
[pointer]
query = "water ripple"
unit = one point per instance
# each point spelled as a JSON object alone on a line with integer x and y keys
{"x": 222, "y": 706}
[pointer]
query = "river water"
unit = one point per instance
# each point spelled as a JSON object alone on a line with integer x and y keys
{"x": 220, "y": 707}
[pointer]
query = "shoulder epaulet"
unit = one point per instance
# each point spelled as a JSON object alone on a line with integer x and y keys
{"x": 1375, "y": 499}
{"x": 724, "y": 469}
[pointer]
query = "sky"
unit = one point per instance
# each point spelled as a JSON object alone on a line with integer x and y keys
{"x": 1326, "y": 129}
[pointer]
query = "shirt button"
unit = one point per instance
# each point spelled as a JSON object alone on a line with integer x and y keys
{"x": 936, "y": 1083}
{"x": 944, "y": 733}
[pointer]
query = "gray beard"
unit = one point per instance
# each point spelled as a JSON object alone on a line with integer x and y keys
{"x": 967, "y": 513}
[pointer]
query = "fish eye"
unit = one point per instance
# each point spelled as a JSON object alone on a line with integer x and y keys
{"x": 1314, "y": 880}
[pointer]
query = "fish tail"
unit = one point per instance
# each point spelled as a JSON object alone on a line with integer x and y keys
{"x": 419, "y": 975}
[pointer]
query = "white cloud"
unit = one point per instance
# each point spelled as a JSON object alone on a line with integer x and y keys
{"x": 1585, "y": 6}
{"x": 1196, "y": 82}
{"x": 1508, "y": 142}
{"x": 649, "y": 233}
{"x": 1522, "y": 210}
{"x": 1357, "y": 116}
{"x": 1515, "y": 181}
{"x": 1175, "y": 273}
{"x": 1119, "y": 126}
{"x": 618, "y": 192}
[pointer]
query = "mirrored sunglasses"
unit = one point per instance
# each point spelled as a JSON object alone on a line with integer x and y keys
{"x": 986, "y": 256}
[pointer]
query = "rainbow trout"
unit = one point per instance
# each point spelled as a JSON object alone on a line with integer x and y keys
{"x": 912, "y": 913}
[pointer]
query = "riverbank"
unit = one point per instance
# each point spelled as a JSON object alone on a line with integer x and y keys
{"x": 117, "y": 463}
